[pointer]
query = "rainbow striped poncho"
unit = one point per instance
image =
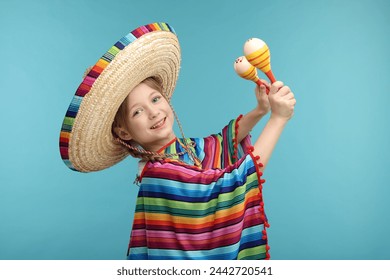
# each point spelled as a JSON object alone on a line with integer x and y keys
{"x": 213, "y": 212}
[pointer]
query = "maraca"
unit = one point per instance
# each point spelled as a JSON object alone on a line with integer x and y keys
{"x": 247, "y": 71}
{"x": 257, "y": 53}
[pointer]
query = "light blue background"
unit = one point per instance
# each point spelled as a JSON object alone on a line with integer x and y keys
{"x": 327, "y": 191}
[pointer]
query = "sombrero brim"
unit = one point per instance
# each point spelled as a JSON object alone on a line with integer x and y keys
{"x": 86, "y": 140}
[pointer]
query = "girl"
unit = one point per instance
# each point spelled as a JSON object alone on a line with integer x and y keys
{"x": 199, "y": 198}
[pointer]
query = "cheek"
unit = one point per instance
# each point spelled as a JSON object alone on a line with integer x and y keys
{"x": 168, "y": 110}
{"x": 135, "y": 125}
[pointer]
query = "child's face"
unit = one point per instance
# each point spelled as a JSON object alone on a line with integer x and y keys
{"x": 149, "y": 119}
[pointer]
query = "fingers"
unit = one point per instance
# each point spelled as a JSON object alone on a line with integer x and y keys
{"x": 261, "y": 90}
{"x": 275, "y": 87}
{"x": 282, "y": 90}
{"x": 266, "y": 83}
{"x": 293, "y": 102}
{"x": 289, "y": 96}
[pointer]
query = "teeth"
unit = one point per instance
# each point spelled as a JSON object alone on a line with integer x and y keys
{"x": 158, "y": 124}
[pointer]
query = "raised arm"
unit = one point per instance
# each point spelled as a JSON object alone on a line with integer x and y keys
{"x": 249, "y": 120}
{"x": 282, "y": 104}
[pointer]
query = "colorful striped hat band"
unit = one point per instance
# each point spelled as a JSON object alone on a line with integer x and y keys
{"x": 86, "y": 140}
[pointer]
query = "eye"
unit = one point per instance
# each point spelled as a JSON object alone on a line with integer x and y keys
{"x": 137, "y": 112}
{"x": 156, "y": 99}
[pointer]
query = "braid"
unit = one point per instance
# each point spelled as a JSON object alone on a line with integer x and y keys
{"x": 144, "y": 154}
{"x": 192, "y": 156}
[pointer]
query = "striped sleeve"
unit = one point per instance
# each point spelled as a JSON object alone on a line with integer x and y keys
{"x": 222, "y": 149}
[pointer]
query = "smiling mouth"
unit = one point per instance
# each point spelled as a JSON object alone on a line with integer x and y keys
{"x": 159, "y": 124}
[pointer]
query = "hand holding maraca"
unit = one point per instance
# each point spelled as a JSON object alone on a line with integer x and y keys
{"x": 257, "y": 55}
{"x": 263, "y": 105}
{"x": 282, "y": 101}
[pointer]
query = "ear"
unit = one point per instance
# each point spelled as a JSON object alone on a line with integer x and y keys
{"x": 122, "y": 133}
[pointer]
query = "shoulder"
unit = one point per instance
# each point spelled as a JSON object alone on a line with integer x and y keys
{"x": 173, "y": 170}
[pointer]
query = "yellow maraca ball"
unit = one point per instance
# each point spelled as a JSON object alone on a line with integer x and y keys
{"x": 246, "y": 70}
{"x": 257, "y": 53}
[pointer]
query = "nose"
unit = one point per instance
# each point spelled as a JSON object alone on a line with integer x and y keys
{"x": 153, "y": 113}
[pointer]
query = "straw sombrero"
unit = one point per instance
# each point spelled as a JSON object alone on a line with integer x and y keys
{"x": 86, "y": 140}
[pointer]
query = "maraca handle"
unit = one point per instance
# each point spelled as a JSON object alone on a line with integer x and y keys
{"x": 271, "y": 76}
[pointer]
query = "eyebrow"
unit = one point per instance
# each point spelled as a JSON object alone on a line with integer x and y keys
{"x": 137, "y": 104}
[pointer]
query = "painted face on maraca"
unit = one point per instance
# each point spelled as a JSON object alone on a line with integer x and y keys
{"x": 245, "y": 70}
{"x": 241, "y": 66}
